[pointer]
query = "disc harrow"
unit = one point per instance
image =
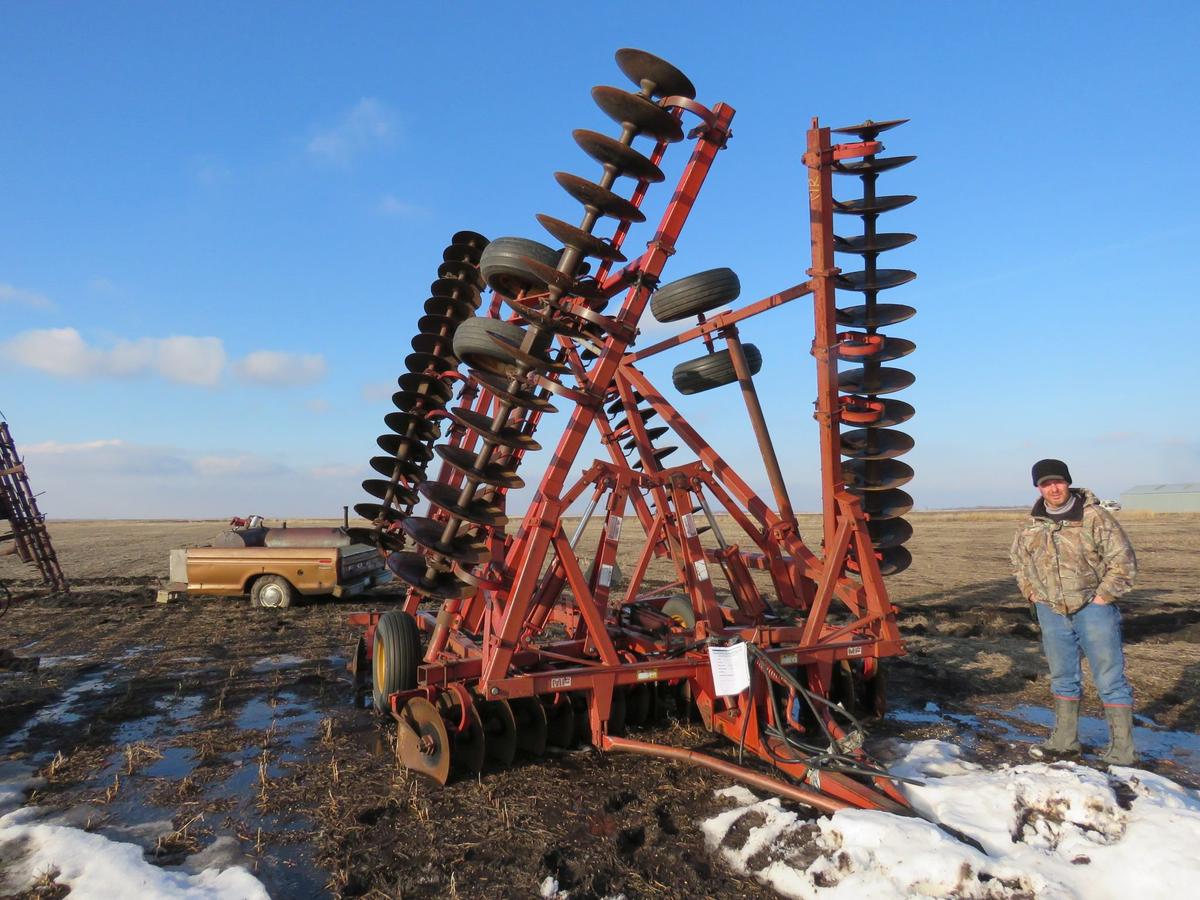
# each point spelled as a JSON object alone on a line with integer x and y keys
{"x": 514, "y": 635}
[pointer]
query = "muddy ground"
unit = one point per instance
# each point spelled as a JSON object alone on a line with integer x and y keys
{"x": 206, "y": 726}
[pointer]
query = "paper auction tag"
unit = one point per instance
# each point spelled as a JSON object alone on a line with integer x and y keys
{"x": 730, "y": 669}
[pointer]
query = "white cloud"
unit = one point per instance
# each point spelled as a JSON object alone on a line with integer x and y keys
{"x": 369, "y": 123}
{"x": 339, "y": 472}
{"x": 243, "y": 465}
{"x": 378, "y": 390}
{"x": 391, "y": 205}
{"x": 108, "y": 457}
{"x": 20, "y": 297}
{"x": 318, "y": 406}
{"x": 63, "y": 352}
{"x": 277, "y": 368}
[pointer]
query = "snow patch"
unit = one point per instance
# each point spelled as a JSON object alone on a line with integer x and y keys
{"x": 1048, "y": 830}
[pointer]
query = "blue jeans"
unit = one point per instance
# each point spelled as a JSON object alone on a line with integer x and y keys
{"x": 1096, "y": 630}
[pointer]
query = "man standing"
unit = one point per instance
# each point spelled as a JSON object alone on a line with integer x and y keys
{"x": 1072, "y": 561}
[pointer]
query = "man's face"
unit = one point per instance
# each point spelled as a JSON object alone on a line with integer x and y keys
{"x": 1055, "y": 492}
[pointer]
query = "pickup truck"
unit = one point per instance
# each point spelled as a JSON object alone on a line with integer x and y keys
{"x": 276, "y": 565}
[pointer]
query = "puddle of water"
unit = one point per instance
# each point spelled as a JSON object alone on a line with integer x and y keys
{"x": 176, "y": 762}
{"x": 59, "y": 712}
{"x": 180, "y": 708}
{"x": 52, "y": 662}
{"x": 295, "y": 720}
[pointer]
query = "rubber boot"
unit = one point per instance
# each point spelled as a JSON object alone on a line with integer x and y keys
{"x": 1120, "y": 750}
{"x": 1064, "y": 740}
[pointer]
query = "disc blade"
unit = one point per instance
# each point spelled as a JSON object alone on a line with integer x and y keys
{"x": 408, "y": 402}
{"x": 478, "y": 512}
{"x": 465, "y": 729}
{"x": 875, "y": 443}
{"x": 623, "y": 158}
{"x": 387, "y": 466}
{"x": 531, "y": 725}
{"x": 467, "y": 549}
{"x": 456, "y": 289}
{"x": 598, "y": 198}
{"x": 522, "y": 397}
{"x": 619, "y": 403}
{"x": 872, "y": 166}
{"x": 406, "y": 447}
{"x": 434, "y": 345}
{"x": 876, "y": 315}
{"x": 401, "y": 495}
{"x": 659, "y": 455}
{"x": 891, "y": 348}
{"x": 652, "y": 434}
{"x": 500, "y": 728}
{"x": 425, "y": 384}
{"x": 373, "y": 512}
{"x": 889, "y": 532}
{"x": 654, "y": 75}
{"x": 411, "y": 569}
{"x": 637, "y": 112}
{"x": 482, "y": 425}
{"x": 867, "y": 130}
{"x": 874, "y": 474}
{"x": 560, "y": 722}
{"x": 879, "y": 243}
{"x": 428, "y": 362}
{"x": 879, "y": 280}
{"x": 410, "y": 425}
{"x": 458, "y": 310}
{"x": 422, "y": 744}
{"x": 880, "y": 505}
{"x": 466, "y": 461}
{"x": 462, "y": 270}
{"x": 585, "y": 243}
{"x": 874, "y": 380}
{"x": 864, "y": 207}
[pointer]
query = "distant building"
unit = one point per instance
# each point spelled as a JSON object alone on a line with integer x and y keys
{"x": 1163, "y": 497}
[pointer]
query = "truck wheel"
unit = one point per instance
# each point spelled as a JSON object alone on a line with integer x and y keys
{"x": 272, "y": 592}
{"x": 712, "y": 370}
{"x": 394, "y": 657}
{"x": 695, "y": 294}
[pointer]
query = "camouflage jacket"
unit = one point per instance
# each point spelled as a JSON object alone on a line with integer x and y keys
{"x": 1065, "y": 564}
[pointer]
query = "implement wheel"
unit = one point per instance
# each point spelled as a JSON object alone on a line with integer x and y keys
{"x": 695, "y": 294}
{"x": 395, "y": 656}
{"x": 712, "y": 370}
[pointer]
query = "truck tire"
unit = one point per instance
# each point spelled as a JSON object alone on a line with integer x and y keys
{"x": 695, "y": 294}
{"x": 503, "y": 266}
{"x": 712, "y": 370}
{"x": 473, "y": 344}
{"x": 272, "y": 592}
{"x": 394, "y": 657}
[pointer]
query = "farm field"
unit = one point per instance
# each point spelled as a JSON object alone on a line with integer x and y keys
{"x": 208, "y": 727}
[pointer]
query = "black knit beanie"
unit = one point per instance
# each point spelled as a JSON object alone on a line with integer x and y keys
{"x": 1050, "y": 468}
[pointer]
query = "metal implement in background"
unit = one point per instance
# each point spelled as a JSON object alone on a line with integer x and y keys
{"x": 26, "y": 535}
{"x": 513, "y": 639}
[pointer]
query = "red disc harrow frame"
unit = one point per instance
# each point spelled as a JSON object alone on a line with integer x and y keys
{"x": 523, "y": 640}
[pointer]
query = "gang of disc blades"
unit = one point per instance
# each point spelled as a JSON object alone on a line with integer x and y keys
{"x": 622, "y": 157}
{"x": 879, "y": 280}
{"x": 872, "y": 166}
{"x": 867, "y": 130}
{"x": 664, "y": 79}
{"x": 639, "y": 113}
{"x": 875, "y": 474}
{"x": 465, "y": 461}
{"x": 875, "y": 380}
{"x": 373, "y": 511}
{"x": 477, "y": 512}
{"x": 864, "y": 207}
{"x": 877, "y": 315}
{"x": 401, "y": 496}
{"x": 427, "y": 533}
{"x": 531, "y": 725}
{"x": 466, "y": 733}
{"x": 659, "y": 455}
{"x": 875, "y": 443}
{"x": 586, "y": 243}
{"x": 500, "y": 726}
{"x": 619, "y": 403}
{"x": 646, "y": 415}
{"x": 413, "y": 449}
{"x": 598, "y": 198}
{"x": 472, "y": 239}
{"x": 889, "y": 532}
{"x": 892, "y": 348}
{"x": 425, "y": 384}
{"x": 879, "y": 243}
{"x": 410, "y": 425}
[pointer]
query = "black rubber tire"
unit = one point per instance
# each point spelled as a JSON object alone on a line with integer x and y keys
{"x": 504, "y": 269}
{"x": 394, "y": 657}
{"x": 680, "y": 609}
{"x": 712, "y": 370}
{"x": 473, "y": 343}
{"x": 695, "y": 294}
{"x": 272, "y": 592}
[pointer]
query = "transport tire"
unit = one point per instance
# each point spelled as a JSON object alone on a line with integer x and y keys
{"x": 272, "y": 592}
{"x": 712, "y": 370}
{"x": 503, "y": 267}
{"x": 473, "y": 344}
{"x": 695, "y": 294}
{"x": 394, "y": 657}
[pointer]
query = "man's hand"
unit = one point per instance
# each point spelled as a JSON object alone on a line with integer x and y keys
{"x": 1101, "y": 600}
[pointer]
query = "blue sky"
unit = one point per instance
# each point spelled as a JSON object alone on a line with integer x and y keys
{"x": 218, "y": 223}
